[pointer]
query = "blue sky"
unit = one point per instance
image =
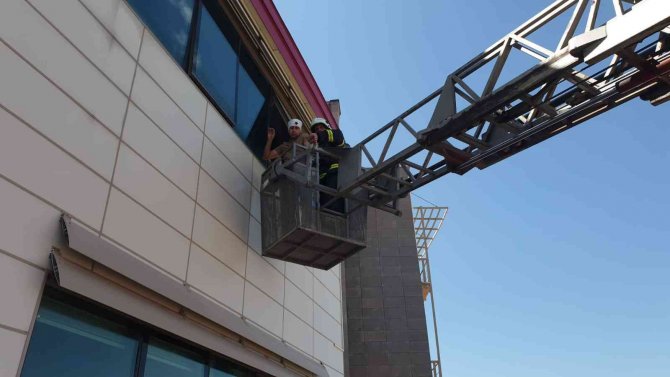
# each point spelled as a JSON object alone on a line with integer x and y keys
{"x": 555, "y": 262}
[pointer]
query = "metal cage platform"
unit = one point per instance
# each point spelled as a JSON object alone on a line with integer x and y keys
{"x": 295, "y": 227}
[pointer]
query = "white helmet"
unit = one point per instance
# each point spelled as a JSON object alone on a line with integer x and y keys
{"x": 294, "y": 123}
{"x": 316, "y": 121}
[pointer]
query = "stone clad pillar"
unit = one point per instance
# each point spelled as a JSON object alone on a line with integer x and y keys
{"x": 385, "y": 319}
{"x": 334, "y": 106}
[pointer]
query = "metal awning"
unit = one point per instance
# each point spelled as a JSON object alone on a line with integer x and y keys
{"x": 74, "y": 277}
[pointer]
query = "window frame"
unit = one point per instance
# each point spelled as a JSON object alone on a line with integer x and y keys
{"x": 190, "y": 53}
{"x": 143, "y": 333}
{"x": 244, "y": 58}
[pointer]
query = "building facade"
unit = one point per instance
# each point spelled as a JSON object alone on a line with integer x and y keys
{"x": 143, "y": 122}
{"x": 130, "y": 238}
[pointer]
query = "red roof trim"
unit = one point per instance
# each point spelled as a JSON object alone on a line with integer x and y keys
{"x": 287, "y": 48}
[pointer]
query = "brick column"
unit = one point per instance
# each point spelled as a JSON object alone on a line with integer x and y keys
{"x": 386, "y": 323}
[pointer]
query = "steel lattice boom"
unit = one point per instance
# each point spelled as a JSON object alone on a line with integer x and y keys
{"x": 562, "y": 86}
{"x": 558, "y": 86}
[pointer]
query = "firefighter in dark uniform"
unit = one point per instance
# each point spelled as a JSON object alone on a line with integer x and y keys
{"x": 326, "y": 137}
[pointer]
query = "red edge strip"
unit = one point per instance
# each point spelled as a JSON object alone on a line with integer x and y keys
{"x": 287, "y": 48}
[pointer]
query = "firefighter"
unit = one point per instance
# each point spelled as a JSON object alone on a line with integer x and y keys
{"x": 285, "y": 149}
{"x": 325, "y": 136}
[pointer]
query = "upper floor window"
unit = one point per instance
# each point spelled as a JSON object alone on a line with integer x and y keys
{"x": 216, "y": 63}
{"x": 170, "y": 21}
{"x": 250, "y": 98}
{"x": 203, "y": 41}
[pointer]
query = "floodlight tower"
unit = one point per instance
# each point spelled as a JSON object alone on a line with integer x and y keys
{"x": 427, "y": 222}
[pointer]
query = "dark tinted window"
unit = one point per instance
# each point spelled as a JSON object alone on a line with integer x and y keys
{"x": 67, "y": 341}
{"x": 213, "y": 55}
{"x": 170, "y": 21}
{"x": 167, "y": 360}
{"x": 250, "y": 101}
{"x": 215, "y": 63}
{"x": 76, "y": 338}
{"x": 224, "y": 369}
{"x": 270, "y": 116}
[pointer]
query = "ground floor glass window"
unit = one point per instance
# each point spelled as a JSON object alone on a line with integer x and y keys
{"x": 167, "y": 360}
{"x": 67, "y": 341}
{"x": 76, "y": 338}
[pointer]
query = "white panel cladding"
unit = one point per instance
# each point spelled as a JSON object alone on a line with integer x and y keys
{"x": 211, "y": 235}
{"x": 117, "y": 17}
{"x": 11, "y": 344}
{"x": 223, "y": 136}
{"x": 143, "y": 233}
{"x": 28, "y": 33}
{"x": 20, "y": 286}
{"x": 225, "y": 173}
{"x": 25, "y": 90}
{"x": 258, "y": 169}
{"x": 299, "y": 303}
{"x": 326, "y": 351}
{"x": 333, "y": 373}
{"x": 221, "y": 205}
{"x": 28, "y": 226}
{"x": 298, "y": 333}
{"x": 336, "y": 270}
{"x": 50, "y": 173}
{"x": 170, "y": 77}
{"x": 280, "y": 265}
{"x": 327, "y": 326}
{"x": 264, "y": 276}
{"x": 72, "y": 19}
{"x": 256, "y": 204}
{"x": 207, "y": 274}
{"x": 262, "y": 310}
{"x": 139, "y": 180}
{"x": 155, "y": 146}
{"x": 327, "y": 301}
{"x": 301, "y": 277}
{"x": 255, "y": 236}
{"x": 159, "y": 107}
{"x": 330, "y": 281}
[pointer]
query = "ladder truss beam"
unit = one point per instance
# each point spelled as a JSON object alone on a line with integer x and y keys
{"x": 506, "y": 118}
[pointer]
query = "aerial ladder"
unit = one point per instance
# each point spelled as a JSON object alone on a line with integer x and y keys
{"x": 589, "y": 72}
